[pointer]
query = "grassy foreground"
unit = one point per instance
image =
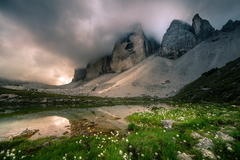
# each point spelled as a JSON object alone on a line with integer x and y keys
{"x": 146, "y": 139}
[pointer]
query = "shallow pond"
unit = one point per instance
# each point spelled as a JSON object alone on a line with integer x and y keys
{"x": 74, "y": 121}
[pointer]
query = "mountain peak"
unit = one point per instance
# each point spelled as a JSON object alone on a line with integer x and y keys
{"x": 196, "y": 17}
{"x": 202, "y": 28}
{"x": 230, "y": 26}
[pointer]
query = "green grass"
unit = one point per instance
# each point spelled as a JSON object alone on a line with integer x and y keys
{"x": 147, "y": 138}
{"x": 204, "y": 106}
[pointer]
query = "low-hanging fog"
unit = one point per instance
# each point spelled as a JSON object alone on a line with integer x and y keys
{"x": 45, "y": 40}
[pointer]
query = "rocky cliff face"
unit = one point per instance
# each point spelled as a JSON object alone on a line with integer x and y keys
{"x": 182, "y": 37}
{"x": 98, "y": 67}
{"x": 230, "y": 26}
{"x": 126, "y": 53}
{"x": 79, "y": 74}
{"x": 131, "y": 50}
{"x": 178, "y": 39}
{"x": 202, "y": 28}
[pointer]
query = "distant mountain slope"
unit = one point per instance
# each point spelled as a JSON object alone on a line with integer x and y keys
{"x": 216, "y": 85}
{"x": 157, "y": 76}
{"x": 161, "y": 77}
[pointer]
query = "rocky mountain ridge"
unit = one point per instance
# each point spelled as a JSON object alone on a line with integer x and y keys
{"x": 182, "y": 37}
{"x": 159, "y": 77}
{"x": 130, "y": 50}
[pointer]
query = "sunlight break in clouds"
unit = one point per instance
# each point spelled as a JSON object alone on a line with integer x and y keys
{"x": 44, "y": 41}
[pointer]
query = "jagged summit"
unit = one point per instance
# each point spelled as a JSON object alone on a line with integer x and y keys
{"x": 131, "y": 50}
{"x": 182, "y": 37}
{"x": 202, "y": 28}
{"x": 178, "y": 39}
{"x": 230, "y": 26}
{"x": 203, "y": 48}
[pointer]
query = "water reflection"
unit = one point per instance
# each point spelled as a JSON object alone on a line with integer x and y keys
{"x": 74, "y": 121}
{"x": 49, "y": 125}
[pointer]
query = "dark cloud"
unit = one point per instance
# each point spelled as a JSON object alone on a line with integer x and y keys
{"x": 45, "y": 40}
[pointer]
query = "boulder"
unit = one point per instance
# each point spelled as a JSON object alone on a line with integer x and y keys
{"x": 202, "y": 28}
{"x": 98, "y": 67}
{"x": 205, "y": 143}
{"x": 26, "y": 133}
{"x": 230, "y": 26}
{"x": 131, "y": 50}
{"x": 167, "y": 123}
{"x": 207, "y": 153}
{"x": 178, "y": 39}
{"x": 196, "y": 135}
{"x": 184, "y": 156}
{"x": 224, "y": 136}
{"x": 79, "y": 74}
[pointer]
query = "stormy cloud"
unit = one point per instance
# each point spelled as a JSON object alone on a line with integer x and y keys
{"x": 45, "y": 40}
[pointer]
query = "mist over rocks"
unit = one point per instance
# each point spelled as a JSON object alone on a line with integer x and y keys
{"x": 98, "y": 67}
{"x": 79, "y": 74}
{"x": 131, "y": 50}
{"x": 178, "y": 39}
{"x": 127, "y": 52}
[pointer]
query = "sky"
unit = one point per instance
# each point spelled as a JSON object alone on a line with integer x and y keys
{"x": 45, "y": 40}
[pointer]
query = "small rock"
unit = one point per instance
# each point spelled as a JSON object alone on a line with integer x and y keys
{"x": 205, "y": 143}
{"x": 9, "y": 138}
{"x": 56, "y": 139}
{"x": 232, "y": 127}
{"x": 85, "y": 132}
{"x": 184, "y": 156}
{"x": 46, "y": 144}
{"x": 197, "y": 135}
{"x": 167, "y": 123}
{"x": 66, "y": 132}
{"x": 92, "y": 125}
{"x": 207, "y": 153}
{"x": 224, "y": 136}
{"x": 116, "y": 118}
